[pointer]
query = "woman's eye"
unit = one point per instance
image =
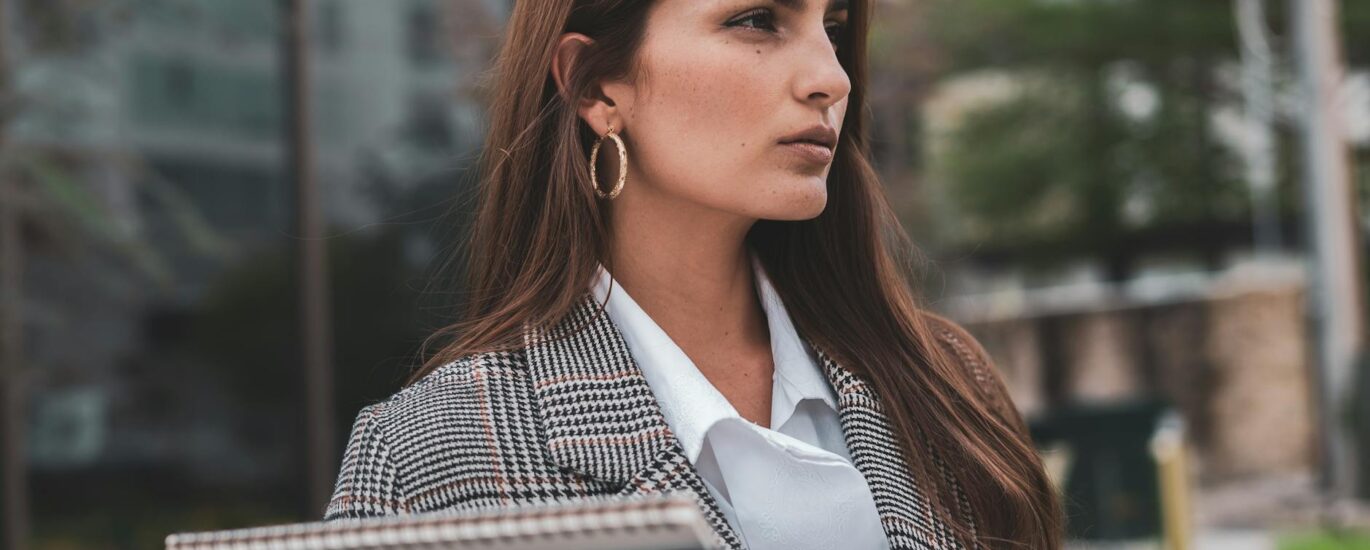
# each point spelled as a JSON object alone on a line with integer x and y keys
{"x": 764, "y": 19}
{"x": 834, "y": 33}
{"x": 760, "y": 19}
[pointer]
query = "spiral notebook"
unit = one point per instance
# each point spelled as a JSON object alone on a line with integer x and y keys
{"x": 671, "y": 522}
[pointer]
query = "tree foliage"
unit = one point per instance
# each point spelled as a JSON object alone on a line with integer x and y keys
{"x": 1110, "y": 149}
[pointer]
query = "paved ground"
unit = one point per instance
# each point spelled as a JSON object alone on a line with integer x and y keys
{"x": 1208, "y": 540}
{"x": 1249, "y": 515}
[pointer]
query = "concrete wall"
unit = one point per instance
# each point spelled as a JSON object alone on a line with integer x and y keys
{"x": 1234, "y": 363}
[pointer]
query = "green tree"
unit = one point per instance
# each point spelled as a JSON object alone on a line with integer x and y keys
{"x": 1108, "y": 150}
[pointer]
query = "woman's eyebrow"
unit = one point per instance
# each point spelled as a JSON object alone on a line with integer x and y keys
{"x": 799, "y": 5}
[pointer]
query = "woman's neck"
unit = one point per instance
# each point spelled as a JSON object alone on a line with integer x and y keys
{"x": 691, "y": 272}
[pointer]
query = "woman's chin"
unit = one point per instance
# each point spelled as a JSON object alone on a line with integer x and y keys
{"x": 801, "y": 203}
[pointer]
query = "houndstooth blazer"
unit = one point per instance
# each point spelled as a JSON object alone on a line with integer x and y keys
{"x": 574, "y": 418}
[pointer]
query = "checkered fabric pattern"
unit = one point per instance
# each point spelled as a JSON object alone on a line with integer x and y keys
{"x": 571, "y": 416}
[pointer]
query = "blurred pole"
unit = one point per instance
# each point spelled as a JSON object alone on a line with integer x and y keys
{"x": 14, "y": 524}
{"x": 315, "y": 315}
{"x": 1335, "y": 289}
{"x": 1258, "y": 144}
{"x": 1171, "y": 453}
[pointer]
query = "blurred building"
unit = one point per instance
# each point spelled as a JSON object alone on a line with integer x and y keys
{"x": 152, "y": 129}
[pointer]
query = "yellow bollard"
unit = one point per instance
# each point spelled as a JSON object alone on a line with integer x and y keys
{"x": 1171, "y": 453}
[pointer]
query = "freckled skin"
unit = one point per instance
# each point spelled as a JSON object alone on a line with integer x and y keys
{"x": 706, "y": 85}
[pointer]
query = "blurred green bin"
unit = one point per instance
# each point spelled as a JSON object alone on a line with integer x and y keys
{"x": 1110, "y": 487}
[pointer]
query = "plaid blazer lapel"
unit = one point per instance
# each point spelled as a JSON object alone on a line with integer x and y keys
{"x": 600, "y": 417}
{"x": 904, "y": 511}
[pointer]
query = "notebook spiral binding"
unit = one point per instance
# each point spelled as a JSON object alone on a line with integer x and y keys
{"x": 670, "y": 521}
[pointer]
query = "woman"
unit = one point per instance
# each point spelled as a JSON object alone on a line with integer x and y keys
{"x": 725, "y": 314}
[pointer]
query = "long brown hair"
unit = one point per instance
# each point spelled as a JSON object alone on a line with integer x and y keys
{"x": 844, "y": 276}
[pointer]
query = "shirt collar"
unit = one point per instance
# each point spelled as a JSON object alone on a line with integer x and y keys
{"x": 796, "y": 369}
{"x": 689, "y": 402}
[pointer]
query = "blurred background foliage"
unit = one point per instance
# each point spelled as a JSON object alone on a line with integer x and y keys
{"x": 1106, "y": 132}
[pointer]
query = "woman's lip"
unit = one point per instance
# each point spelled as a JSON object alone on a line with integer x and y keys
{"x": 810, "y": 152}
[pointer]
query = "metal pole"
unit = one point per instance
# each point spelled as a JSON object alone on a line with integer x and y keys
{"x": 1258, "y": 144}
{"x": 12, "y": 433}
{"x": 1335, "y": 289}
{"x": 13, "y": 463}
{"x": 315, "y": 316}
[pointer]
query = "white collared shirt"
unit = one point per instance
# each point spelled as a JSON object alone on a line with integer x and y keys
{"x": 792, "y": 485}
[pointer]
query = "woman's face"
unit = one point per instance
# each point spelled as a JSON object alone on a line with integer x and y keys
{"x": 723, "y": 85}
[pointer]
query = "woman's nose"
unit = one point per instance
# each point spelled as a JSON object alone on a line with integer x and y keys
{"x": 820, "y": 77}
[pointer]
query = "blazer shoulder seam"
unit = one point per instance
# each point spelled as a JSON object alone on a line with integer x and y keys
{"x": 960, "y": 341}
{"x": 369, "y": 430}
{"x": 456, "y": 368}
{"x": 971, "y": 354}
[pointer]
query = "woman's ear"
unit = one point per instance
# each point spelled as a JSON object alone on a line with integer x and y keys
{"x": 595, "y": 108}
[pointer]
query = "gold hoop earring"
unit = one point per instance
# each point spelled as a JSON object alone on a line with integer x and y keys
{"x": 622, "y": 165}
